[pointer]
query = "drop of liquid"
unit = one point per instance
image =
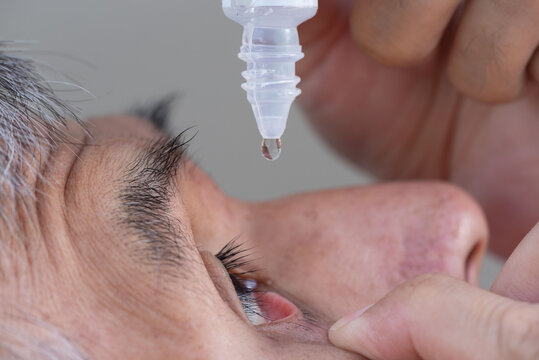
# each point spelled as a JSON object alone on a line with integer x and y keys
{"x": 271, "y": 149}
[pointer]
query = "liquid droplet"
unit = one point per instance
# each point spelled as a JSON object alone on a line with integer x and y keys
{"x": 271, "y": 149}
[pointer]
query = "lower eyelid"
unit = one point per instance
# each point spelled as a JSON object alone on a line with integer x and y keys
{"x": 276, "y": 308}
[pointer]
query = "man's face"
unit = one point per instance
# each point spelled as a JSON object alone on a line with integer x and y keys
{"x": 122, "y": 238}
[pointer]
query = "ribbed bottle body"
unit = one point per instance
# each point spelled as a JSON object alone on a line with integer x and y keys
{"x": 271, "y": 48}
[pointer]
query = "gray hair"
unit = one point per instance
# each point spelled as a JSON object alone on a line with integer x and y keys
{"x": 25, "y": 338}
{"x": 32, "y": 118}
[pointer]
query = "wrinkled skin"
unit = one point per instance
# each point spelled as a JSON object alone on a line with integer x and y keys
{"x": 328, "y": 252}
{"x": 409, "y": 121}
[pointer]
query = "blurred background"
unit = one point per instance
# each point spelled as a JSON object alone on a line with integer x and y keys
{"x": 130, "y": 52}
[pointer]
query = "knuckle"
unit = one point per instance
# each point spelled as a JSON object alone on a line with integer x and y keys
{"x": 513, "y": 8}
{"x": 495, "y": 97}
{"x": 486, "y": 77}
{"x": 485, "y": 90}
{"x": 394, "y": 54}
{"x": 391, "y": 48}
{"x": 519, "y": 332}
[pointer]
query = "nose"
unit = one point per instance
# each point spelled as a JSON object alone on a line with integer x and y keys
{"x": 342, "y": 249}
{"x": 448, "y": 233}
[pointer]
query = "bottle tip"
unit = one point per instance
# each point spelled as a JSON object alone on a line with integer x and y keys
{"x": 271, "y": 149}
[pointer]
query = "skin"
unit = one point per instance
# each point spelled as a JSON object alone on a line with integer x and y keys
{"x": 438, "y": 90}
{"x": 406, "y": 95}
{"x": 404, "y": 89}
{"x": 328, "y": 252}
{"x": 438, "y": 317}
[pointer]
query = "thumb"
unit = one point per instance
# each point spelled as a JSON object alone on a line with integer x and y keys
{"x": 520, "y": 275}
{"x": 438, "y": 317}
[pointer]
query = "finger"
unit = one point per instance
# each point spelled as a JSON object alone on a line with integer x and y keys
{"x": 319, "y": 35}
{"x": 534, "y": 66}
{"x": 519, "y": 277}
{"x": 400, "y": 32}
{"x": 493, "y": 45}
{"x": 438, "y": 317}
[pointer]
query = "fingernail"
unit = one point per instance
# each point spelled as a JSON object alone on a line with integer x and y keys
{"x": 348, "y": 318}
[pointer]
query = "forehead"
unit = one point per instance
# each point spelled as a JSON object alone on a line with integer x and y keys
{"x": 76, "y": 182}
{"x": 81, "y": 253}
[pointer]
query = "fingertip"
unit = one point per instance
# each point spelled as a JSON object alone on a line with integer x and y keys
{"x": 348, "y": 318}
{"x": 349, "y": 333}
{"x": 517, "y": 278}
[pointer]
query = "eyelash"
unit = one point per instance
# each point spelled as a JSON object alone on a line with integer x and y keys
{"x": 233, "y": 257}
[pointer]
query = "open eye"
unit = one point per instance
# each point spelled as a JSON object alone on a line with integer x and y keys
{"x": 234, "y": 258}
{"x": 260, "y": 306}
{"x": 249, "y": 297}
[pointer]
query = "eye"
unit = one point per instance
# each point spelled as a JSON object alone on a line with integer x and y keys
{"x": 260, "y": 306}
{"x": 234, "y": 258}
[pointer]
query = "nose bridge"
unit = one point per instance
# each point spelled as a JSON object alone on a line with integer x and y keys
{"x": 302, "y": 231}
{"x": 423, "y": 216}
{"x": 304, "y": 219}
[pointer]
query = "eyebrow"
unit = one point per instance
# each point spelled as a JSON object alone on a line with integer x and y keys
{"x": 147, "y": 189}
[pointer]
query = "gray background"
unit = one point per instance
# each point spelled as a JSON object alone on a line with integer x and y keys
{"x": 133, "y": 51}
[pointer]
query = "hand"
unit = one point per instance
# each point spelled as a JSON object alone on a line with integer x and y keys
{"x": 423, "y": 118}
{"x": 438, "y": 317}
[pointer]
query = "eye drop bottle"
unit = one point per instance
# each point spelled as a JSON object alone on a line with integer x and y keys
{"x": 270, "y": 47}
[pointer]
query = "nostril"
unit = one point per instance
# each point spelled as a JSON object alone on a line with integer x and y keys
{"x": 473, "y": 262}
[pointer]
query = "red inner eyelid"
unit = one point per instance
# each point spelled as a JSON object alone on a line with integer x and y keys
{"x": 275, "y": 307}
